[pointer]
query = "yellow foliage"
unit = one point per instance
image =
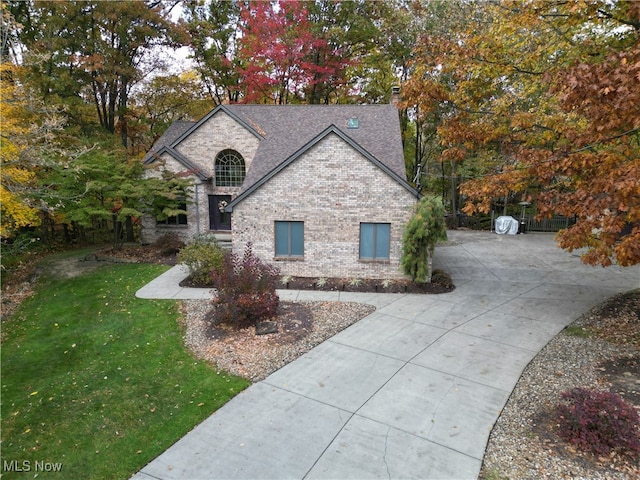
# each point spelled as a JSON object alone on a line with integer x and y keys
{"x": 15, "y": 213}
{"x": 15, "y": 176}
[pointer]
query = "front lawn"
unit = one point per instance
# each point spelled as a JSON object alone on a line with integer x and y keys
{"x": 97, "y": 382}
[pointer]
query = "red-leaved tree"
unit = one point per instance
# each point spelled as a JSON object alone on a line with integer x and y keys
{"x": 280, "y": 55}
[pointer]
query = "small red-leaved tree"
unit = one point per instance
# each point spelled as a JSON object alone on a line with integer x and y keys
{"x": 246, "y": 290}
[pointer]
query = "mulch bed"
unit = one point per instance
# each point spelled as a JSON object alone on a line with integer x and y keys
{"x": 442, "y": 284}
{"x": 294, "y": 321}
{"x": 139, "y": 254}
{"x": 367, "y": 285}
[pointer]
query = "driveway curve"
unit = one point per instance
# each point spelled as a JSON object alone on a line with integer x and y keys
{"x": 412, "y": 390}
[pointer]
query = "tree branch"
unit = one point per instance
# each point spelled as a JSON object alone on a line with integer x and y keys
{"x": 634, "y": 24}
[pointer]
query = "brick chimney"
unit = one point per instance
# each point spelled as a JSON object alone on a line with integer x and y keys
{"x": 395, "y": 95}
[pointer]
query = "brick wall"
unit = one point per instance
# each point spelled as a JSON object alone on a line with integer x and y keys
{"x": 332, "y": 188}
{"x": 220, "y": 132}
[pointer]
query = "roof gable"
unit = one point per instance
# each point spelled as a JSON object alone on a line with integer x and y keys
{"x": 175, "y": 130}
{"x": 191, "y": 167}
{"x": 211, "y": 114}
{"x": 332, "y": 129}
{"x": 288, "y": 128}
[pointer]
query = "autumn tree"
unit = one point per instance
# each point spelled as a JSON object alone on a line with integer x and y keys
{"x": 596, "y": 175}
{"x": 213, "y": 35}
{"x": 91, "y": 51}
{"x": 322, "y": 51}
{"x": 542, "y": 99}
{"x": 280, "y": 53}
{"x": 28, "y": 145}
{"x": 353, "y": 29}
{"x": 163, "y": 100}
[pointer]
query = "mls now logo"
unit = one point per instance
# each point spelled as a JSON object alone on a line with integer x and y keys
{"x": 28, "y": 466}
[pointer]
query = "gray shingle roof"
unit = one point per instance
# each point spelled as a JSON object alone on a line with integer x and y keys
{"x": 332, "y": 129}
{"x": 285, "y": 129}
{"x": 175, "y": 131}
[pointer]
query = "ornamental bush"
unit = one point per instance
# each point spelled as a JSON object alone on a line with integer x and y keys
{"x": 246, "y": 289}
{"x": 202, "y": 256}
{"x": 169, "y": 244}
{"x": 599, "y": 422}
{"x": 423, "y": 231}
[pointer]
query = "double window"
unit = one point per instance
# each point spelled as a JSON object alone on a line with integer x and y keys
{"x": 289, "y": 239}
{"x": 375, "y": 240}
{"x": 229, "y": 169}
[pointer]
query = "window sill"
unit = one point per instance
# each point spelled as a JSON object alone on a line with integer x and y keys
{"x": 288, "y": 259}
{"x": 374, "y": 260}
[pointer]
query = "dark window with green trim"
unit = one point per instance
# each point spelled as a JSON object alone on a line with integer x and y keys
{"x": 375, "y": 241}
{"x": 289, "y": 239}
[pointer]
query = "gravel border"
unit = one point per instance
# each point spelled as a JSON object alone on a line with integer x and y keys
{"x": 524, "y": 443}
{"x": 255, "y": 357}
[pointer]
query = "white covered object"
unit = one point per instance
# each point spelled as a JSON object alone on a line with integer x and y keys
{"x": 508, "y": 225}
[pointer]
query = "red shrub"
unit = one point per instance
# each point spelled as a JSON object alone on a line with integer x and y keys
{"x": 246, "y": 290}
{"x": 598, "y": 422}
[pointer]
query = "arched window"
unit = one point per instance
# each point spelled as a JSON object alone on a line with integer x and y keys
{"x": 229, "y": 169}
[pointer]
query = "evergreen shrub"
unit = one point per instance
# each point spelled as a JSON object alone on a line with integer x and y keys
{"x": 423, "y": 231}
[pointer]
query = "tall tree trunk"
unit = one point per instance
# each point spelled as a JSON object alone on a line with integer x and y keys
{"x": 123, "y": 111}
{"x": 454, "y": 196}
{"x": 129, "y": 236}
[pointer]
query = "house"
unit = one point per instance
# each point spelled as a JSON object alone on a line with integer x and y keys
{"x": 319, "y": 190}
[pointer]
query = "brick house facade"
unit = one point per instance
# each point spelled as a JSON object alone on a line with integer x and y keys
{"x": 320, "y": 191}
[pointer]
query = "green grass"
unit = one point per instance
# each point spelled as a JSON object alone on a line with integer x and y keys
{"x": 99, "y": 381}
{"x": 576, "y": 331}
{"x": 492, "y": 474}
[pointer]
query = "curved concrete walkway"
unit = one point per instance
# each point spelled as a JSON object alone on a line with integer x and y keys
{"x": 412, "y": 390}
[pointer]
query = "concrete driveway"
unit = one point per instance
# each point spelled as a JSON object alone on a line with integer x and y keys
{"x": 412, "y": 390}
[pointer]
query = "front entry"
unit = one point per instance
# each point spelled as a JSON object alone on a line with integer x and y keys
{"x": 218, "y": 218}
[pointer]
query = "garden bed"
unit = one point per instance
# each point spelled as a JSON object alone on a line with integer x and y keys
{"x": 441, "y": 284}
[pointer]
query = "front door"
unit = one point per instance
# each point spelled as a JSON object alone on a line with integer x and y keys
{"x": 218, "y": 218}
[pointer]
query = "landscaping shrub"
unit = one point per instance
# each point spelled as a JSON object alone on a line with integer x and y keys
{"x": 423, "y": 231}
{"x": 202, "y": 256}
{"x": 169, "y": 244}
{"x": 599, "y": 422}
{"x": 246, "y": 290}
